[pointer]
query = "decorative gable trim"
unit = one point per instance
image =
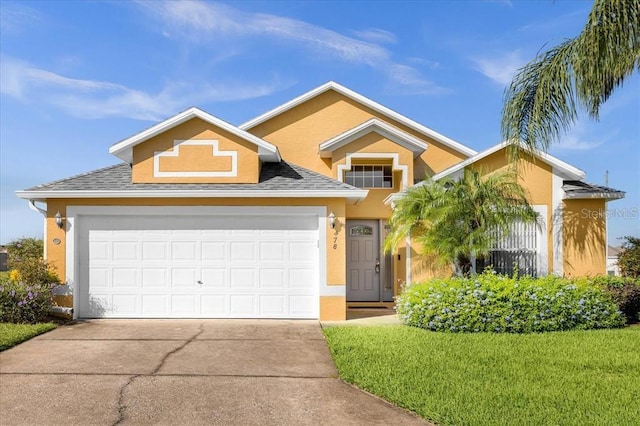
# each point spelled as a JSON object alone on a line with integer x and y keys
{"x": 366, "y": 102}
{"x": 124, "y": 149}
{"x": 374, "y": 125}
{"x": 184, "y": 173}
{"x": 566, "y": 170}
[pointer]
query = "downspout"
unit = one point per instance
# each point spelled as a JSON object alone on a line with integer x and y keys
{"x": 32, "y": 206}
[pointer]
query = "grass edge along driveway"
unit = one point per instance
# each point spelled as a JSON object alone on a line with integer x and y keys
{"x": 13, "y": 334}
{"x": 568, "y": 378}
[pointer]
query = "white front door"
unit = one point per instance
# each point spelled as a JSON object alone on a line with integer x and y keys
{"x": 222, "y": 266}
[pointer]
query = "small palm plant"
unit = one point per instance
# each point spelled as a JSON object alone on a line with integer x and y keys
{"x": 456, "y": 220}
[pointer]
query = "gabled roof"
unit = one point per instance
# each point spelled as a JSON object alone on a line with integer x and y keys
{"x": 575, "y": 189}
{"x": 277, "y": 180}
{"x": 566, "y": 170}
{"x": 124, "y": 148}
{"x": 364, "y": 101}
{"x": 374, "y": 125}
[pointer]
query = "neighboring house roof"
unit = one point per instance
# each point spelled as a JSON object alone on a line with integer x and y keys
{"x": 374, "y": 125}
{"x": 124, "y": 148}
{"x": 566, "y": 170}
{"x": 276, "y": 180}
{"x": 576, "y": 189}
{"x": 613, "y": 251}
{"x": 366, "y": 102}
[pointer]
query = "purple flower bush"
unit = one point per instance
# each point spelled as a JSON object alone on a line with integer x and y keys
{"x": 26, "y": 294}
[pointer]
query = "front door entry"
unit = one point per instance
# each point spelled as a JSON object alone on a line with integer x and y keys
{"x": 363, "y": 261}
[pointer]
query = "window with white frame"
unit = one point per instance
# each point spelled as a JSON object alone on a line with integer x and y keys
{"x": 514, "y": 250}
{"x": 369, "y": 176}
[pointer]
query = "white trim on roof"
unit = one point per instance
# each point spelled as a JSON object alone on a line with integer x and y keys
{"x": 352, "y": 195}
{"x": 566, "y": 170}
{"x": 124, "y": 148}
{"x": 332, "y": 85}
{"x": 374, "y": 125}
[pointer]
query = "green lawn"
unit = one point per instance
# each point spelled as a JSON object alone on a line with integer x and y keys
{"x": 12, "y": 334}
{"x": 563, "y": 378}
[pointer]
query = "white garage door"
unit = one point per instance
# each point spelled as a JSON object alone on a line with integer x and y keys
{"x": 230, "y": 266}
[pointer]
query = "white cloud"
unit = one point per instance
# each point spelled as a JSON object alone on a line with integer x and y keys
{"x": 201, "y": 22}
{"x": 500, "y": 68}
{"x": 376, "y": 35}
{"x": 98, "y": 99}
{"x": 16, "y": 18}
{"x": 579, "y": 138}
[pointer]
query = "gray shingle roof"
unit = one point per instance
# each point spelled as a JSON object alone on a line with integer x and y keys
{"x": 280, "y": 176}
{"x": 580, "y": 189}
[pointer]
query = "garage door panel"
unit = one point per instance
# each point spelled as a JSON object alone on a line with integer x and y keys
{"x": 183, "y": 277}
{"x": 214, "y": 251}
{"x": 154, "y": 278}
{"x": 214, "y": 278}
{"x": 184, "y": 251}
{"x": 101, "y": 250}
{"x": 99, "y": 277}
{"x": 213, "y": 305}
{"x": 125, "y": 277}
{"x": 271, "y": 251}
{"x": 272, "y": 278}
{"x": 155, "y": 251}
{"x": 124, "y": 304}
{"x": 165, "y": 267}
{"x": 154, "y": 305}
{"x": 243, "y": 251}
{"x": 183, "y": 305}
{"x": 125, "y": 250}
{"x": 242, "y": 305}
{"x": 272, "y": 305}
{"x": 242, "y": 278}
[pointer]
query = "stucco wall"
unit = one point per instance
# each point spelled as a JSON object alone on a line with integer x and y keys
{"x": 584, "y": 237}
{"x": 196, "y": 158}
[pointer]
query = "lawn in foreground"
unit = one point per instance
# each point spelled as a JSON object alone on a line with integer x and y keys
{"x": 12, "y": 334}
{"x": 567, "y": 378}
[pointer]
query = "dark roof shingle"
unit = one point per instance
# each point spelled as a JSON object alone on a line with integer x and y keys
{"x": 280, "y": 176}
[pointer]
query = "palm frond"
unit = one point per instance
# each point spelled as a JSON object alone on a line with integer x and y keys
{"x": 541, "y": 102}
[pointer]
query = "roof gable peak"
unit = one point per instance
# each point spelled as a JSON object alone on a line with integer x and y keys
{"x": 373, "y": 125}
{"x": 387, "y": 112}
{"x": 124, "y": 148}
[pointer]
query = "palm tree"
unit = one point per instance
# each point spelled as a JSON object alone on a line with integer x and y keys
{"x": 456, "y": 220}
{"x": 542, "y": 100}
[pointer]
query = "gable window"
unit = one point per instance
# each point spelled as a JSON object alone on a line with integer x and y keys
{"x": 375, "y": 176}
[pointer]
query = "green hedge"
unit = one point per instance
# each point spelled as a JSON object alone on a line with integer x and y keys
{"x": 625, "y": 291}
{"x": 495, "y": 303}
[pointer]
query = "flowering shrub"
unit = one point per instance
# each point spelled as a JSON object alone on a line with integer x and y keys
{"x": 625, "y": 292}
{"x": 26, "y": 294}
{"x": 499, "y": 304}
{"x": 23, "y": 303}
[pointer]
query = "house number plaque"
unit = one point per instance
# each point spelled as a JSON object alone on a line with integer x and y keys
{"x": 335, "y": 240}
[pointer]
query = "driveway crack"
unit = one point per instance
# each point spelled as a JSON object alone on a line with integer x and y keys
{"x": 178, "y": 349}
{"x": 121, "y": 406}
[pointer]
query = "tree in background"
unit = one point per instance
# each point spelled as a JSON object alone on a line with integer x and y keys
{"x": 629, "y": 258}
{"x": 456, "y": 220}
{"x": 542, "y": 100}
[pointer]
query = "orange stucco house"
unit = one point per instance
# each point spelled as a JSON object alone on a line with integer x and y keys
{"x": 283, "y": 216}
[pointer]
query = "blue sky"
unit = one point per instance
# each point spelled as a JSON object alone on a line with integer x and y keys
{"x": 78, "y": 77}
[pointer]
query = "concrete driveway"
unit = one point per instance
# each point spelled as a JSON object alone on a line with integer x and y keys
{"x": 109, "y": 372}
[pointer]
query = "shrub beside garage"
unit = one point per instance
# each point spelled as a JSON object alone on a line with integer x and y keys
{"x": 501, "y": 304}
